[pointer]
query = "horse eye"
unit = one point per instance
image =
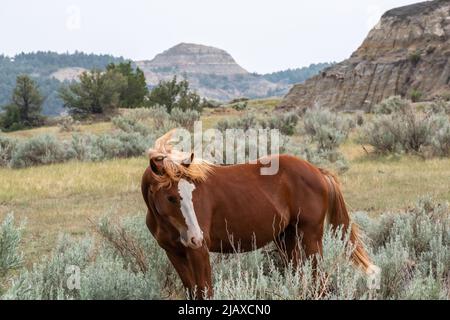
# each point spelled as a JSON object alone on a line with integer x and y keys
{"x": 172, "y": 199}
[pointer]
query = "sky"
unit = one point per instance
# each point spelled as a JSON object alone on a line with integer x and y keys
{"x": 262, "y": 36}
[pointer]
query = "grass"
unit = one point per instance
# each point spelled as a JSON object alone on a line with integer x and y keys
{"x": 380, "y": 184}
{"x": 62, "y": 198}
{"x": 94, "y": 128}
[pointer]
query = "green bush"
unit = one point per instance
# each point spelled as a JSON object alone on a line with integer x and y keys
{"x": 424, "y": 287}
{"x": 286, "y": 123}
{"x": 67, "y": 124}
{"x": 248, "y": 121}
{"x": 381, "y": 134}
{"x": 174, "y": 94}
{"x": 359, "y": 119}
{"x": 416, "y": 95}
{"x": 130, "y": 124}
{"x": 327, "y": 129}
{"x": 441, "y": 138}
{"x": 185, "y": 119}
{"x": 120, "y": 145}
{"x": 332, "y": 159}
{"x": 10, "y": 118}
{"x": 415, "y": 57}
{"x": 95, "y": 93}
{"x": 42, "y": 149}
{"x": 85, "y": 147}
{"x": 239, "y": 106}
{"x": 49, "y": 278}
{"x": 391, "y": 105}
{"x": 407, "y": 132}
{"x": 104, "y": 273}
{"x": 10, "y": 238}
{"x": 132, "y": 139}
{"x": 439, "y": 106}
{"x": 7, "y": 147}
{"x": 412, "y": 248}
{"x": 47, "y": 149}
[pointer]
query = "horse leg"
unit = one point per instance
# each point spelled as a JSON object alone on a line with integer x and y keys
{"x": 312, "y": 241}
{"x": 292, "y": 238}
{"x": 201, "y": 269}
{"x": 180, "y": 263}
{"x": 288, "y": 244}
{"x": 194, "y": 270}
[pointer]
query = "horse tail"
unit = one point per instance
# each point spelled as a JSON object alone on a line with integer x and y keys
{"x": 337, "y": 215}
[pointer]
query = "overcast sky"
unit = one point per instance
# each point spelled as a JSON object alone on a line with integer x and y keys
{"x": 261, "y": 35}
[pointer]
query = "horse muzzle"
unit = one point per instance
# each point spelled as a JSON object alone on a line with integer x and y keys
{"x": 191, "y": 241}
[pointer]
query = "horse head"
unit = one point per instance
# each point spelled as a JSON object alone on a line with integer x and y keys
{"x": 168, "y": 187}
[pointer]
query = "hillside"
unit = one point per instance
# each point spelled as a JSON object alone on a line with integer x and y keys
{"x": 216, "y": 75}
{"x": 212, "y": 72}
{"x": 50, "y": 70}
{"x": 407, "y": 53}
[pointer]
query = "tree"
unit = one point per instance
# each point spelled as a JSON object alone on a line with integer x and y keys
{"x": 173, "y": 94}
{"x": 133, "y": 94}
{"x": 28, "y": 100}
{"x": 95, "y": 93}
{"x": 10, "y": 119}
{"x": 25, "y": 107}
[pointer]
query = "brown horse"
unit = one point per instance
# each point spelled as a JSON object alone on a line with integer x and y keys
{"x": 195, "y": 208}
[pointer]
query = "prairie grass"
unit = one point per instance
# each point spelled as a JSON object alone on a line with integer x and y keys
{"x": 63, "y": 197}
{"x": 94, "y": 128}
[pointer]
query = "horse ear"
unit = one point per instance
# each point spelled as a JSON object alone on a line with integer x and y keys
{"x": 187, "y": 162}
{"x": 157, "y": 165}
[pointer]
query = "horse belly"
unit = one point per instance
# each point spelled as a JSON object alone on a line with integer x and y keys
{"x": 247, "y": 231}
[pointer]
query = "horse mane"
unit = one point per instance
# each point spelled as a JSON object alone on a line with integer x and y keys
{"x": 175, "y": 163}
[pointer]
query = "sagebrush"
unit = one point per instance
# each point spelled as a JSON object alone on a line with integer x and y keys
{"x": 402, "y": 129}
{"x": 412, "y": 248}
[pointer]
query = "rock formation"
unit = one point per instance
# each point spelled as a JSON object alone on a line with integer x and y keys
{"x": 212, "y": 72}
{"x": 407, "y": 53}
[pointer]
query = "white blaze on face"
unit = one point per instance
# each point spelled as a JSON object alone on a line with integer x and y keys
{"x": 194, "y": 233}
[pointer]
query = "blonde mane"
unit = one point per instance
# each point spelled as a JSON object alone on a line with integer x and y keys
{"x": 174, "y": 163}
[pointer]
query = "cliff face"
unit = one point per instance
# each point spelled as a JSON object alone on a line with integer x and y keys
{"x": 407, "y": 52}
{"x": 212, "y": 72}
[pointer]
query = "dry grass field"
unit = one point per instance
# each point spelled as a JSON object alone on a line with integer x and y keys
{"x": 95, "y": 128}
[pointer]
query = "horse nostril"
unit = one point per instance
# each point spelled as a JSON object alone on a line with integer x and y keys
{"x": 196, "y": 242}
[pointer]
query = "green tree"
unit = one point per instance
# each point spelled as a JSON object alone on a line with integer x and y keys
{"x": 25, "y": 107}
{"x": 27, "y": 98}
{"x": 173, "y": 94}
{"x": 95, "y": 93}
{"x": 133, "y": 94}
{"x": 10, "y": 119}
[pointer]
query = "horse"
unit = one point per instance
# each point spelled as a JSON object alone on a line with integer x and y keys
{"x": 195, "y": 207}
